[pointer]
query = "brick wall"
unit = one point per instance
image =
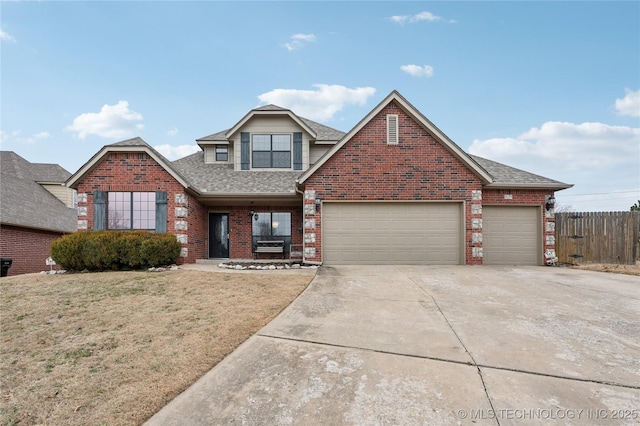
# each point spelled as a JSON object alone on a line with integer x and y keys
{"x": 240, "y": 226}
{"x": 28, "y": 248}
{"x": 418, "y": 168}
{"x": 186, "y": 217}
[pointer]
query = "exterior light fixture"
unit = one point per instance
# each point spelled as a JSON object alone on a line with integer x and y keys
{"x": 551, "y": 202}
{"x": 318, "y": 201}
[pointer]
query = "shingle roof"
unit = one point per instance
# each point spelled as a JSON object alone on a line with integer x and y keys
{"x": 223, "y": 179}
{"x": 23, "y": 202}
{"x": 510, "y": 177}
{"x": 324, "y": 133}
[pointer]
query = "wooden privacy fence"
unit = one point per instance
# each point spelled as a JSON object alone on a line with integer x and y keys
{"x": 598, "y": 237}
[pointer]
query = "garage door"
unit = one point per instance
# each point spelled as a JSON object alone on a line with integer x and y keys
{"x": 511, "y": 235}
{"x": 392, "y": 233}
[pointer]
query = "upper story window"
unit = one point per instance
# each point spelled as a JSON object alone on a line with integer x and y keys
{"x": 271, "y": 151}
{"x": 131, "y": 210}
{"x": 222, "y": 153}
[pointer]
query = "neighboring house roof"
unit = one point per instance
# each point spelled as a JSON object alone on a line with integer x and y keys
{"x": 221, "y": 179}
{"x": 319, "y": 132}
{"x": 509, "y": 177}
{"x": 420, "y": 119}
{"x": 129, "y": 145}
{"x": 25, "y": 203}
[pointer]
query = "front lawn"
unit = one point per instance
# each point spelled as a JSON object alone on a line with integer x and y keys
{"x": 114, "y": 348}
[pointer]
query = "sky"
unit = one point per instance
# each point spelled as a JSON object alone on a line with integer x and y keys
{"x": 552, "y": 88}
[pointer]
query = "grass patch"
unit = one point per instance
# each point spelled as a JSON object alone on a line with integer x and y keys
{"x": 114, "y": 348}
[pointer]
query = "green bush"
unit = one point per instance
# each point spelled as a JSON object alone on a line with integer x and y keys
{"x": 114, "y": 250}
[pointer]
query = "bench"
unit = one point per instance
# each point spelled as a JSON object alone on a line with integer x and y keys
{"x": 273, "y": 246}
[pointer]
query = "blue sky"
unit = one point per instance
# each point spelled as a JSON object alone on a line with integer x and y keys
{"x": 549, "y": 87}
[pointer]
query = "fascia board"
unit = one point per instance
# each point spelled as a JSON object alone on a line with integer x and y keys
{"x": 550, "y": 185}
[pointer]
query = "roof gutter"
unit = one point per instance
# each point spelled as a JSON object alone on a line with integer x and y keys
{"x": 554, "y": 186}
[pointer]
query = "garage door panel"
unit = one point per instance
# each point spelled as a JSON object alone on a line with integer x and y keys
{"x": 387, "y": 233}
{"x": 511, "y": 235}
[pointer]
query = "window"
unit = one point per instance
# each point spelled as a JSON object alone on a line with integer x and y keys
{"x": 222, "y": 153}
{"x": 271, "y": 151}
{"x": 131, "y": 210}
{"x": 269, "y": 226}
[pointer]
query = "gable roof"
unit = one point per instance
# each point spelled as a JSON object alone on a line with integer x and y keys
{"x": 25, "y": 203}
{"x": 409, "y": 109}
{"x": 130, "y": 145}
{"x": 509, "y": 177}
{"x": 319, "y": 132}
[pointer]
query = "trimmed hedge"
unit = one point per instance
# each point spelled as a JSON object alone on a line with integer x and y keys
{"x": 115, "y": 250}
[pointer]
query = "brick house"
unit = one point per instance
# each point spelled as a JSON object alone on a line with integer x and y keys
{"x": 394, "y": 189}
{"x": 35, "y": 209}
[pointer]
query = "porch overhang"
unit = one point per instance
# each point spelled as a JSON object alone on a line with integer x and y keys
{"x": 251, "y": 199}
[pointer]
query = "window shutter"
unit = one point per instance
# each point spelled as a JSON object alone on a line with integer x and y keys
{"x": 392, "y": 129}
{"x": 297, "y": 151}
{"x": 99, "y": 210}
{"x": 245, "y": 151}
{"x": 161, "y": 212}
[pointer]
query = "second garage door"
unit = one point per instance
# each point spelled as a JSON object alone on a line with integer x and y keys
{"x": 511, "y": 235}
{"x": 392, "y": 233}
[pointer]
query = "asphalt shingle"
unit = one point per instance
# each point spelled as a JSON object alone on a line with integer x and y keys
{"x": 504, "y": 175}
{"x": 223, "y": 179}
{"x": 23, "y": 202}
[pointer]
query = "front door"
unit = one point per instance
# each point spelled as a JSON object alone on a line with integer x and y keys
{"x": 218, "y": 235}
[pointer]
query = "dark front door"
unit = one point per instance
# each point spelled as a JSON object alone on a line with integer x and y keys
{"x": 218, "y": 235}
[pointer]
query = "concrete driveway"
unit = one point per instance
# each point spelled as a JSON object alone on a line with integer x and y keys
{"x": 418, "y": 345}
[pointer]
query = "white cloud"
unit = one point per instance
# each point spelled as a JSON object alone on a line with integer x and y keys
{"x": 417, "y": 70}
{"x": 564, "y": 146}
{"x": 320, "y": 104}
{"x": 7, "y": 37}
{"x": 299, "y": 40}
{"x": 42, "y": 135}
{"x": 173, "y": 132}
{"x": 176, "y": 152}
{"x": 16, "y": 138}
{"x": 113, "y": 121}
{"x": 599, "y": 159}
{"x": 630, "y": 104}
{"x": 419, "y": 17}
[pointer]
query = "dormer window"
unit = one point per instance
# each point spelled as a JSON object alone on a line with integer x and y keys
{"x": 271, "y": 151}
{"x": 222, "y": 153}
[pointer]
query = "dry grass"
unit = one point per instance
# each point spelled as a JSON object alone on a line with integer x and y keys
{"x": 114, "y": 348}
{"x": 616, "y": 269}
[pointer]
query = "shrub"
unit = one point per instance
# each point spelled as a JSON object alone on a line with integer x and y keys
{"x": 114, "y": 250}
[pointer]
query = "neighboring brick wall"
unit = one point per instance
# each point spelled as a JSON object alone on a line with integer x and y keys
{"x": 28, "y": 248}
{"x": 139, "y": 172}
{"x": 418, "y": 168}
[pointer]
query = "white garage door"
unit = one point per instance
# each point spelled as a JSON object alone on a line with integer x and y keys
{"x": 392, "y": 233}
{"x": 511, "y": 235}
